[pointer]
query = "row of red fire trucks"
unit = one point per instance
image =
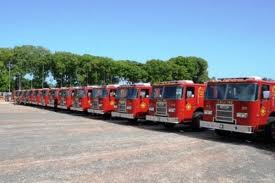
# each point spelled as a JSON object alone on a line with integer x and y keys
{"x": 243, "y": 105}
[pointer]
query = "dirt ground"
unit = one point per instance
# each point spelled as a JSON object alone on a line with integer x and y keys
{"x": 38, "y": 145}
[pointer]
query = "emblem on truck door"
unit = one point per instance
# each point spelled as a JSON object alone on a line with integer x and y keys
{"x": 188, "y": 107}
{"x": 263, "y": 111}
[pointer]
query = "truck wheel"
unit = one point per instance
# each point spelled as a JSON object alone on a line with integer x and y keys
{"x": 222, "y": 133}
{"x": 169, "y": 125}
{"x": 135, "y": 120}
{"x": 196, "y": 120}
{"x": 270, "y": 130}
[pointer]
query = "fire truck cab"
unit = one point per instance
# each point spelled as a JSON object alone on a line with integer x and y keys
{"x": 103, "y": 100}
{"x": 177, "y": 102}
{"x": 244, "y": 105}
{"x": 54, "y": 97}
{"x": 81, "y": 98}
{"x": 132, "y": 101}
{"x": 45, "y": 97}
{"x": 66, "y": 100}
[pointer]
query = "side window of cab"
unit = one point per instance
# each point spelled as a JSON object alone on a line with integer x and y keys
{"x": 144, "y": 93}
{"x": 265, "y": 94}
{"x": 190, "y": 92}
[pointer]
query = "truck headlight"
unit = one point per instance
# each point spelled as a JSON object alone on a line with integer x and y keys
{"x": 171, "y": 110}
{"x": 242, "y": 115}
{"x": 151, "y": 109}
{"x": 208, "y": 112}
{"x": 129, "y": 108}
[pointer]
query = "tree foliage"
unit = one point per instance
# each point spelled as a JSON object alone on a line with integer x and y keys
{"x": 30, "y": 65}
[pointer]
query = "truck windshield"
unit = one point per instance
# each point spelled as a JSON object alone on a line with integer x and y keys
{"x": 36, "y": 93}
{"x": 103, "y": 93}
{"x": 132, "y": 93}
{"x": 44, "y": 93}
{"x": 63, "y": 93}
{"x": 121, "y": 93}
{"x": 172, "y": 92}
{"x": 235, "y": 91}
{"x": 157, "y": 92}
{"x": 80, "y": 93}
{"x": 96, "y": 93}
{"x": 52, "y": 93}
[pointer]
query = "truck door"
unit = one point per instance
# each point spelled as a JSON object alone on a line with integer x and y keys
{"x": 264, "y": 103}
{"x": 144, "y": 99}
{"x": 190, "y": 102}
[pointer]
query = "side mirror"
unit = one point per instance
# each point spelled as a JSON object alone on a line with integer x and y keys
{"x": 266, "y": 94}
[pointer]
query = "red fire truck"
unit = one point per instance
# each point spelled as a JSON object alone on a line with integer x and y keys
{"x": 66, "y": 100}
{"x": 54, "y": 97}
{"x": 132, "y": 101}
{"x": 81, "y": 98}
{"x": 177, "y": 102}
{"x": 244, "y": 105}
{"x": 45, "y": 97}
{"x": 103, "y": 100}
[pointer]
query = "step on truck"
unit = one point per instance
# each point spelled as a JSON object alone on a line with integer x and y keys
{"x": 132, "y": 101}
{"x": 54, "y": 97}
{"x": 177, "y": 102}
{"x": 66, "y": 100}
{"x": 103, "y": 100}
{"x": 244, "y": 105}
{"x": 81, "y": 98}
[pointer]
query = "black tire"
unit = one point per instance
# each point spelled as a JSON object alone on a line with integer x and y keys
{"x": 197, "y": 117}
{"x": 135, "y": 120}
{"x": 222, "y": 133}
{"x": 169, "y": 125}
{"x": 270, "y": 130}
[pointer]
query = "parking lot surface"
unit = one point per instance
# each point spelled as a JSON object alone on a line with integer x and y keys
{"x": 39, "y": 145}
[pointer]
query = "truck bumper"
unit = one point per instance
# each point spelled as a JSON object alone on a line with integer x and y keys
{"x": 77, "y": 109}
{"x": 94, "y": 111}
{"x": 50, "y": 105}
{"x": 227, "y": 127}
{"x": 62, "y": 107}
{"x": 123, "y": 115}
{"x": 162, "y": 119}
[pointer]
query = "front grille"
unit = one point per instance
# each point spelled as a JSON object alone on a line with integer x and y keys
{"x": 51, "y": 102}
{"x": 95, "y": 104}
{"x": 42, "y": 101}
{"x": 161, "y": 108}
{"x": 122, "y": 106}
{"x": 62, "y": 102}
{"x": 224, "y": 113}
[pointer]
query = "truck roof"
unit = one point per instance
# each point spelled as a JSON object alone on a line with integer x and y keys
{"x": 136, "y": 85}
{"x": 179, "y": 82}
{"x": 253, "y": 79}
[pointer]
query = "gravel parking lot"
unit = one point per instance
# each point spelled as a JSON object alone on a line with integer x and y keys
{"x": 39, "y": 145}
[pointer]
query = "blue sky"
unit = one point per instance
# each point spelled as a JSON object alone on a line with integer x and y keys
{"x": 236, "y": 37}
